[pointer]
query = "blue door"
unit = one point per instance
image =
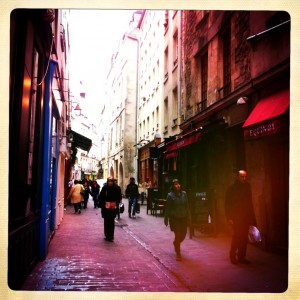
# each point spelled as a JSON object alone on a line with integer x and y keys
{"x": 49, "y": 168}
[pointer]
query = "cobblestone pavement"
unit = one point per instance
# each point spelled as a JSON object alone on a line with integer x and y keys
{"x": 142, "y": 259}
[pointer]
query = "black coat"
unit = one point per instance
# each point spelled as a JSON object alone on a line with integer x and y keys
{"x": 238, "y": 204}
{"x": 95, "y": 190}
{"x": 109, "y": 194}
{"x": 132, "y": 190}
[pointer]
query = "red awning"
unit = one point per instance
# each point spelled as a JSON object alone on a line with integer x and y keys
{"x": 269, "y": 108}
{"x": 182, "y": 141}
{"x": 265, "y": 117}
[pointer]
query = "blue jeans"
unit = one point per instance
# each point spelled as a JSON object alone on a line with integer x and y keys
{"x": 131, "y": 206}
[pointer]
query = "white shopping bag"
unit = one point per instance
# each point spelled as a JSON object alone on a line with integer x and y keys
{"x": 254, "y": 235}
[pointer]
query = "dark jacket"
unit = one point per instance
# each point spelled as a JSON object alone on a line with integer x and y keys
{"x": 177, "y": 211}
{"x": 238, "y": 204}
{"x": 86, "y": 193}
{"x": 177, "y": 205}
{"x": 95, "y": 190}
{"x": 109, "y": 194}
{"x": 132, "y": 190}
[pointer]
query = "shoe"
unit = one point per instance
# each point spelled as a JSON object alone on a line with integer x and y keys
{"x": 129, "y": 215}
{"x": 133, "y": 217}
{"x": 109, "y": 240}
{"x": 79, "y": 211}
{"x": 233, "y": 260}
{"x": 244, "y": 261}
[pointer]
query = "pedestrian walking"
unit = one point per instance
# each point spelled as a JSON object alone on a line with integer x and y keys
{"x": 240, "y": 215}
{"x": 147, "y": 185}
{"x": 141, "y": 192}
{"x": 95, "y": 189}
{"x": 109, "y": 196}
{"x": 132, "y": 193}
{"x": 177, "y": 214}
{"x": 75, "y": 196}
{"x": 86, "y": 193}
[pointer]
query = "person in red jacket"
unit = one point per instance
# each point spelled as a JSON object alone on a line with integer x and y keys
{"x": 240, "y": 214}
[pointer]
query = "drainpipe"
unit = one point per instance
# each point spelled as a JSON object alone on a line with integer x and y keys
{"x": 180, "y": 64}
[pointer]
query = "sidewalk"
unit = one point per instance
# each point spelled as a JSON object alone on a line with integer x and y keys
{"x": 142, "y": 259}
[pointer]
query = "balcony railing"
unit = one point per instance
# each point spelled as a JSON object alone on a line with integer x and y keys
{"x": 201, "y": 105}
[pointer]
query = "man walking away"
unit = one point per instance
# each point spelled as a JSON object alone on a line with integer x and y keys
{"x": 95, "y": 189}
{"x": 132, "y": 193}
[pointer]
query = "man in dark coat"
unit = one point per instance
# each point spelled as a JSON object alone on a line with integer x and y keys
{"x": 109, "y": 198}
{"x": 132, "y": 193}
{"x": 240, "y": 214}
{"x": 95, "y": 189}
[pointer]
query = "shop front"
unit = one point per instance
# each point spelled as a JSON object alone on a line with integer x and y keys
{"x": 179, "y": 156}
{"x": 266, "y": 134}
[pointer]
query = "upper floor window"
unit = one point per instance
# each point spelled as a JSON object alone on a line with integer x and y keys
{"x": 166, "y": 64}
{"x": 175, "y": 49}
{"x": 166, "y": 24}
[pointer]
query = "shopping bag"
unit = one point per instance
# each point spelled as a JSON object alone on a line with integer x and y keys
{"x": 137, "y": 208}
{"x": 121, "y": 207}
{"x": 254, "y": 235}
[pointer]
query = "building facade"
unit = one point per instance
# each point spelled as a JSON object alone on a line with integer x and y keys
{"x": 235, "y": 113}
{"x": 87, "y": 153}
{"x": 122, "y": 96}
{"x": 216, "y": 93}
{"x": 150, "y": 88}
{"x": 39, "y": 151}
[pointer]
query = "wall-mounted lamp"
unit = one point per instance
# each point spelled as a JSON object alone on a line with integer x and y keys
{"x": 142, "y": 143}
{"x": 77, "y": 107}
{"x": 242, "y": 100}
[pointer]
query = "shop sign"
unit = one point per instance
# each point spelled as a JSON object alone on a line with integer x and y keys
{"x": 263, "y": 129}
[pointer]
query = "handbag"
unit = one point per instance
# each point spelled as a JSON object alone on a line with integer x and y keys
{"x": 110, "y": 205}
{"x": 254, "y": 235}
{"x": 121, "y": 207}
{"x": 137, "y": 208}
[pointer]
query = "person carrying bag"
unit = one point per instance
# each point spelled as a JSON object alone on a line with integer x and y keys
{"x": 110, "y": 196}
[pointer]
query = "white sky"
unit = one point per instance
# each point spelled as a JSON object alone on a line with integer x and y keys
{"x": 94, "y": 37}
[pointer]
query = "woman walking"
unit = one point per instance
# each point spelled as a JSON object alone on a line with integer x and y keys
{"x": 177, "y": 215}
{"x": 110, "y": 196}
{"x": 75, "y": 196}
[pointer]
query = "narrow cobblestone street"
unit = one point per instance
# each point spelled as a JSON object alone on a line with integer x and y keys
{"x": 141, "y": 259}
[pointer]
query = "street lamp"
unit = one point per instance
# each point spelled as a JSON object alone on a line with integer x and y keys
{"x": 78, "y": 108}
